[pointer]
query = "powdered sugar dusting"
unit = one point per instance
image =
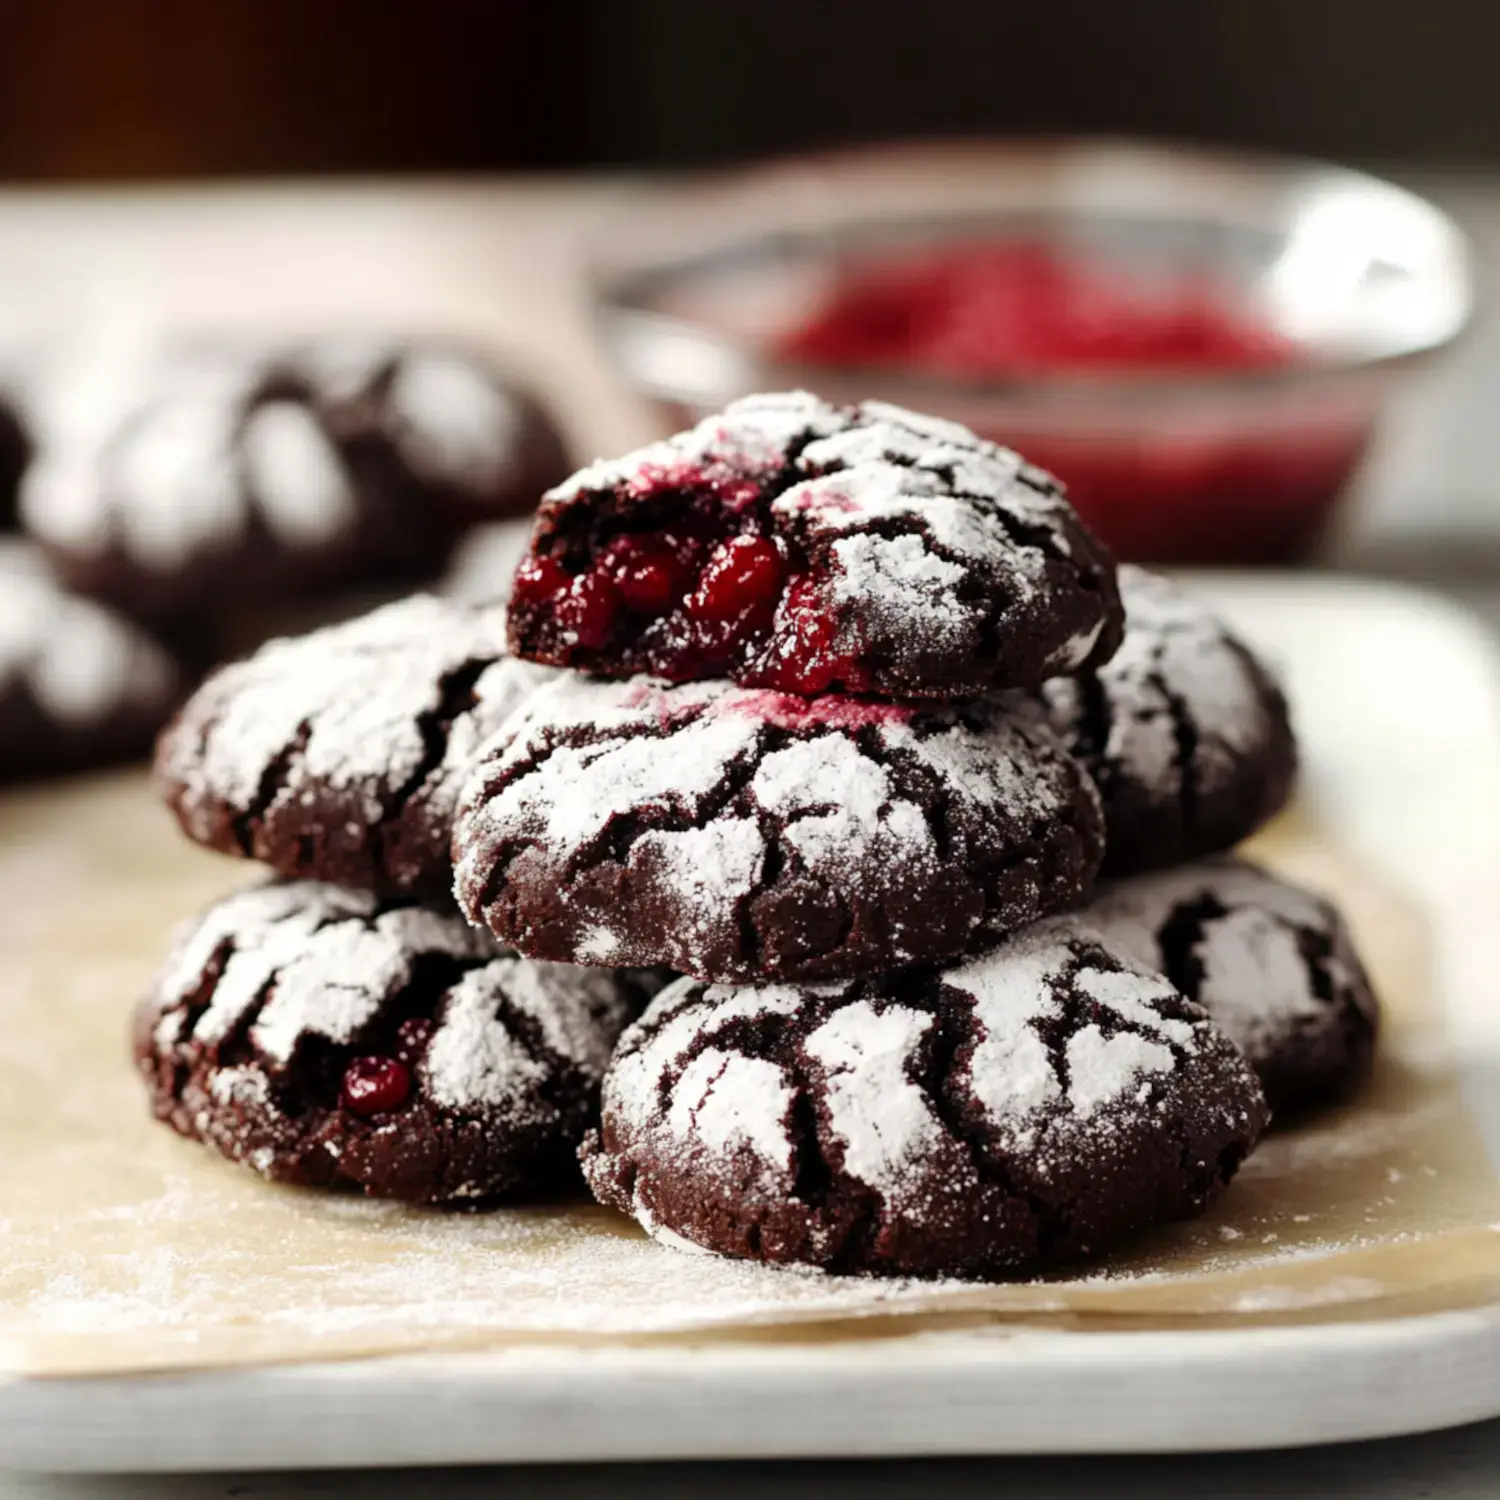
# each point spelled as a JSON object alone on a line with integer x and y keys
{"x": 200, "y": 444}
{"x": 78, "y": 661}
{"x": 725, "y": 1100}
{"x": 296, "y": 473}
{"x": 320, "y": 958}
{"x": 882, "y": 1118}
{"x": 918, "y": 530}
{"x": 1022, "y": 984}
{"x": 1176, "y": 651}
{"x": 577, "y": 1011}
{"x": 1051, "y": 1060}
{"x": 1104, "y": 1070}
{"x": 322, "y": 961}
{"x": 836, "y": 799}
{"x": 475, "y": 1060}
{"x": 704, "y": 867}
{"x": 586, "y": 753}
{"x": 343, "y": 710}
{"x": 900, "y": 575}
{"x": 1255, "y": 979}
{"x": 454, "y": 422}
{"x": 750, "y": 436}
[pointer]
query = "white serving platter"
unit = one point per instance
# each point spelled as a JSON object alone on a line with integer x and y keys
{"x": 1398, "y": 701}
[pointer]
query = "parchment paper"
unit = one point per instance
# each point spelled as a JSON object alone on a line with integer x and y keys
{"x": 125, "y": 1248}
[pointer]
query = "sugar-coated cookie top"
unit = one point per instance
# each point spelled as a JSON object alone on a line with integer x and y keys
{"x": 308, "y": 961}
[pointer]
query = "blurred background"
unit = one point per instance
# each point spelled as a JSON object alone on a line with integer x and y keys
{"x": 143, "y": 88}
{"x": 1221, "y": 267}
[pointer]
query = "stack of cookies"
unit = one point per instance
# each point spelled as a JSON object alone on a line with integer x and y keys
{"x": 838, "y": 713}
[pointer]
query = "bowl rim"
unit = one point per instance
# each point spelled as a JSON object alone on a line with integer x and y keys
{"x": 616, "y": 300}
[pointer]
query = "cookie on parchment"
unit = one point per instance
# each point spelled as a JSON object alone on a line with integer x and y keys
{"x": 328, "y": 1039}
{"x": 1185, "y": 731}
{"x": 1015, "y": 1112}
{"x": 242, "y": 476}
{"x": 1273, "y": 964}
{"x": 339, "y": 755}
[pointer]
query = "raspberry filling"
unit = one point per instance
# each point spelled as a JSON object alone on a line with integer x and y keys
{"x": 689, "y": 580}
{"x": 375, "y": 1085}
{"x": 831, "y": 711}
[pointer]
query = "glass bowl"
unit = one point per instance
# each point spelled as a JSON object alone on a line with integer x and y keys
{"x": 699, "y": 290}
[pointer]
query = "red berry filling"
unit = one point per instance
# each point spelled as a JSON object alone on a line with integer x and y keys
{"x": 702, "y": 587}
{"x": 743, "y": 574}
{"x": 809, "y": 660}
{"x": 375, "y": 1085}
{"x": 832, "y": 710}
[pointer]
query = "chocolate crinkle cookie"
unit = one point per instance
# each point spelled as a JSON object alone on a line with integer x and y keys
{"x": 79, "y": 686}
{"x": 339, "y": 755}
{"x": 1274, "y": 966}
{"x": 737, "y": 834}
{"x": 792, "y": 544}
{"x": 1185, "y": 732}
{"x": 1022, "y": 1110}
{"x": 243, "y": 475}
{"x": 327, "y": 1039}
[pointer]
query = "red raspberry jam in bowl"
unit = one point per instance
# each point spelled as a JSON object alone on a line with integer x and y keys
{"x": 1199, "y": 345}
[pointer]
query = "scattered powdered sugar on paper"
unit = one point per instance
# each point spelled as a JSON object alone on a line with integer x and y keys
{"x": 78, "y": 660}
{"x": 125, "y": 1247}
